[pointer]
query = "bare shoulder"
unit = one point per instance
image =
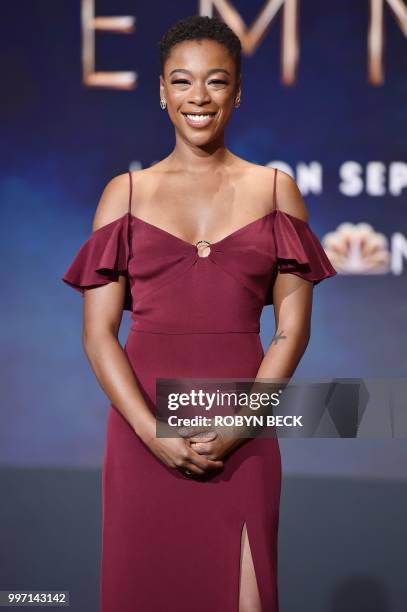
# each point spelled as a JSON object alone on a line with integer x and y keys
{"x": 113, "y": 202}
{"x": 288, "y": 195}
{"x": 145, "y": 180}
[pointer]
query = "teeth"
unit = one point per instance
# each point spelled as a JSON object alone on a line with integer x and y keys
{"x": 198, "y": 117}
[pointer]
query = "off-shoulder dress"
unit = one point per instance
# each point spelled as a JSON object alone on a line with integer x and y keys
{"x": 169, "y": 542}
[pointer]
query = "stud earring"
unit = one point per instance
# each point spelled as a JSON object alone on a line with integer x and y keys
{"x": 163, "y": 103}
{"x": 237, "y": 101}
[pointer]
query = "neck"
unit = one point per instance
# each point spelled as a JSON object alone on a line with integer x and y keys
{"x": 199, "y": 159}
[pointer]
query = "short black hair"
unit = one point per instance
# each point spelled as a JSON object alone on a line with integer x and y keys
{"x": 198, "y": 27}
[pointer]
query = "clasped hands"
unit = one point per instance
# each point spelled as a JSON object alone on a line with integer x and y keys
{"x": 195, "y": 451}
{"x": 213, "y": 444}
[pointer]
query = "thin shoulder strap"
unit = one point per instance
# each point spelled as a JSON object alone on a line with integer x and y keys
{"x": 274, "y": 207}
{"x": 131, "y": 190}
{"x": 130, "y": 248}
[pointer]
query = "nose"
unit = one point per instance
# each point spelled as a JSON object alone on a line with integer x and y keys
{"x": 199, "y": 94}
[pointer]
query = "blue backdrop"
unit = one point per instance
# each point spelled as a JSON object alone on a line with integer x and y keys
{"x": 341, "y": 137}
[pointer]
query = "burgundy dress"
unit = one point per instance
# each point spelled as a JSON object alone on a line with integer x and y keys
{"x": 171, "y": 542}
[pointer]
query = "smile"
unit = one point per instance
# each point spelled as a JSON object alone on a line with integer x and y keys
{"x": 199, "y": 120}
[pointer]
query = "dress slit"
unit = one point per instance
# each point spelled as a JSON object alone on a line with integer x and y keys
{"x": 254, "y": 566}
{"x": 264, "y": 564}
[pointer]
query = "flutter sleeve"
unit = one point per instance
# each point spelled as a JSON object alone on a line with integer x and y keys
{"x": 298, "y": 250}
{"x": 102, "y": 259}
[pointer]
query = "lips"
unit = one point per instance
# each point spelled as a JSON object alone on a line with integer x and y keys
{"x": 199, "y": 120}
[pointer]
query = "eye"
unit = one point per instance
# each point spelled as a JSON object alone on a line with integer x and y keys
{"x": 185, "y": 82}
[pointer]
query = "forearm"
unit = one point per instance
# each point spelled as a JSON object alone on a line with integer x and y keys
{"x": 280, "y": 362}
{"x": 116, "y": 377}
{"x": 284, "y": 353}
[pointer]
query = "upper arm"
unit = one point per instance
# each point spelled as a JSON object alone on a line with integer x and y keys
{"x": 103, "y": 306}
{"x": 292, "y": 303}
{"x": 292, "y": 295}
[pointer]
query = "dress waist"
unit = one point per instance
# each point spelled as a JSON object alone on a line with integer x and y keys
{"x": 142, "y": 326}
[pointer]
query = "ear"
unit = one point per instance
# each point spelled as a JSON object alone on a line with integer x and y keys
{"x": 239, "y": 86}
{"x": 162, "y": 86}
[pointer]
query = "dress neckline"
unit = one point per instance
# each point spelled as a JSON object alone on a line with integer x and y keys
{"x": 231, "y": 235}
{"x": 193, "y": 245}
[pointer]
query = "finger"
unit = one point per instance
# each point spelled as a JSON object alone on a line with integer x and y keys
{"x": 199, "y": 470}
{"x": 186, "y": 432}
{"x": 203, "y": 462}
{"x": 191, "y": 467}
{"x": 203, "y": 437}
{"x": 216, "y": 463}
{"x": 205, "y": 448}
{"x": 201, "y": 448}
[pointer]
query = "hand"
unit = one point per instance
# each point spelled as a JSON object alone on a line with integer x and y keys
{"x": 178, "y": 453}
{"x": 217, "y": 443}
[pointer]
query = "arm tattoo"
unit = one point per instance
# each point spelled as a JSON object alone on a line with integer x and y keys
{"x": 278, "y": 336}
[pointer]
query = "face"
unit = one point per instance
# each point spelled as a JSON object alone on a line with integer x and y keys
{"x": 200, "y": 87}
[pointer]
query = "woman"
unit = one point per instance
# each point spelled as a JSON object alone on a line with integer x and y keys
{"x": 194, "y": 246}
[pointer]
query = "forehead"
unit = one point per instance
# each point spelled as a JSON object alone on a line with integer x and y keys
{"x": 199, "y": 56}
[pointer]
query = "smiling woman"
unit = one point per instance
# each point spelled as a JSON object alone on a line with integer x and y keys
{"x": 201, "y": 92}
{"x": 195, "y": 247}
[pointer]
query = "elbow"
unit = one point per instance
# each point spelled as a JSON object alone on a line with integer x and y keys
{"x": 94, "y": 339}
{"x": 88, "y": 342}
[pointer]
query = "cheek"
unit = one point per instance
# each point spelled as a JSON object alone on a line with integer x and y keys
{"x": 225, "y": 102}
{"x": 223, "y": 98}
{"x": 177, "y": 98}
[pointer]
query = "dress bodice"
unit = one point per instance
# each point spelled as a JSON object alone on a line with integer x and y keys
{"x": 171, "y": 288}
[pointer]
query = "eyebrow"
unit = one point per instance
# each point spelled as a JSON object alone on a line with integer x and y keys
{"x": 209, "y": 71}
